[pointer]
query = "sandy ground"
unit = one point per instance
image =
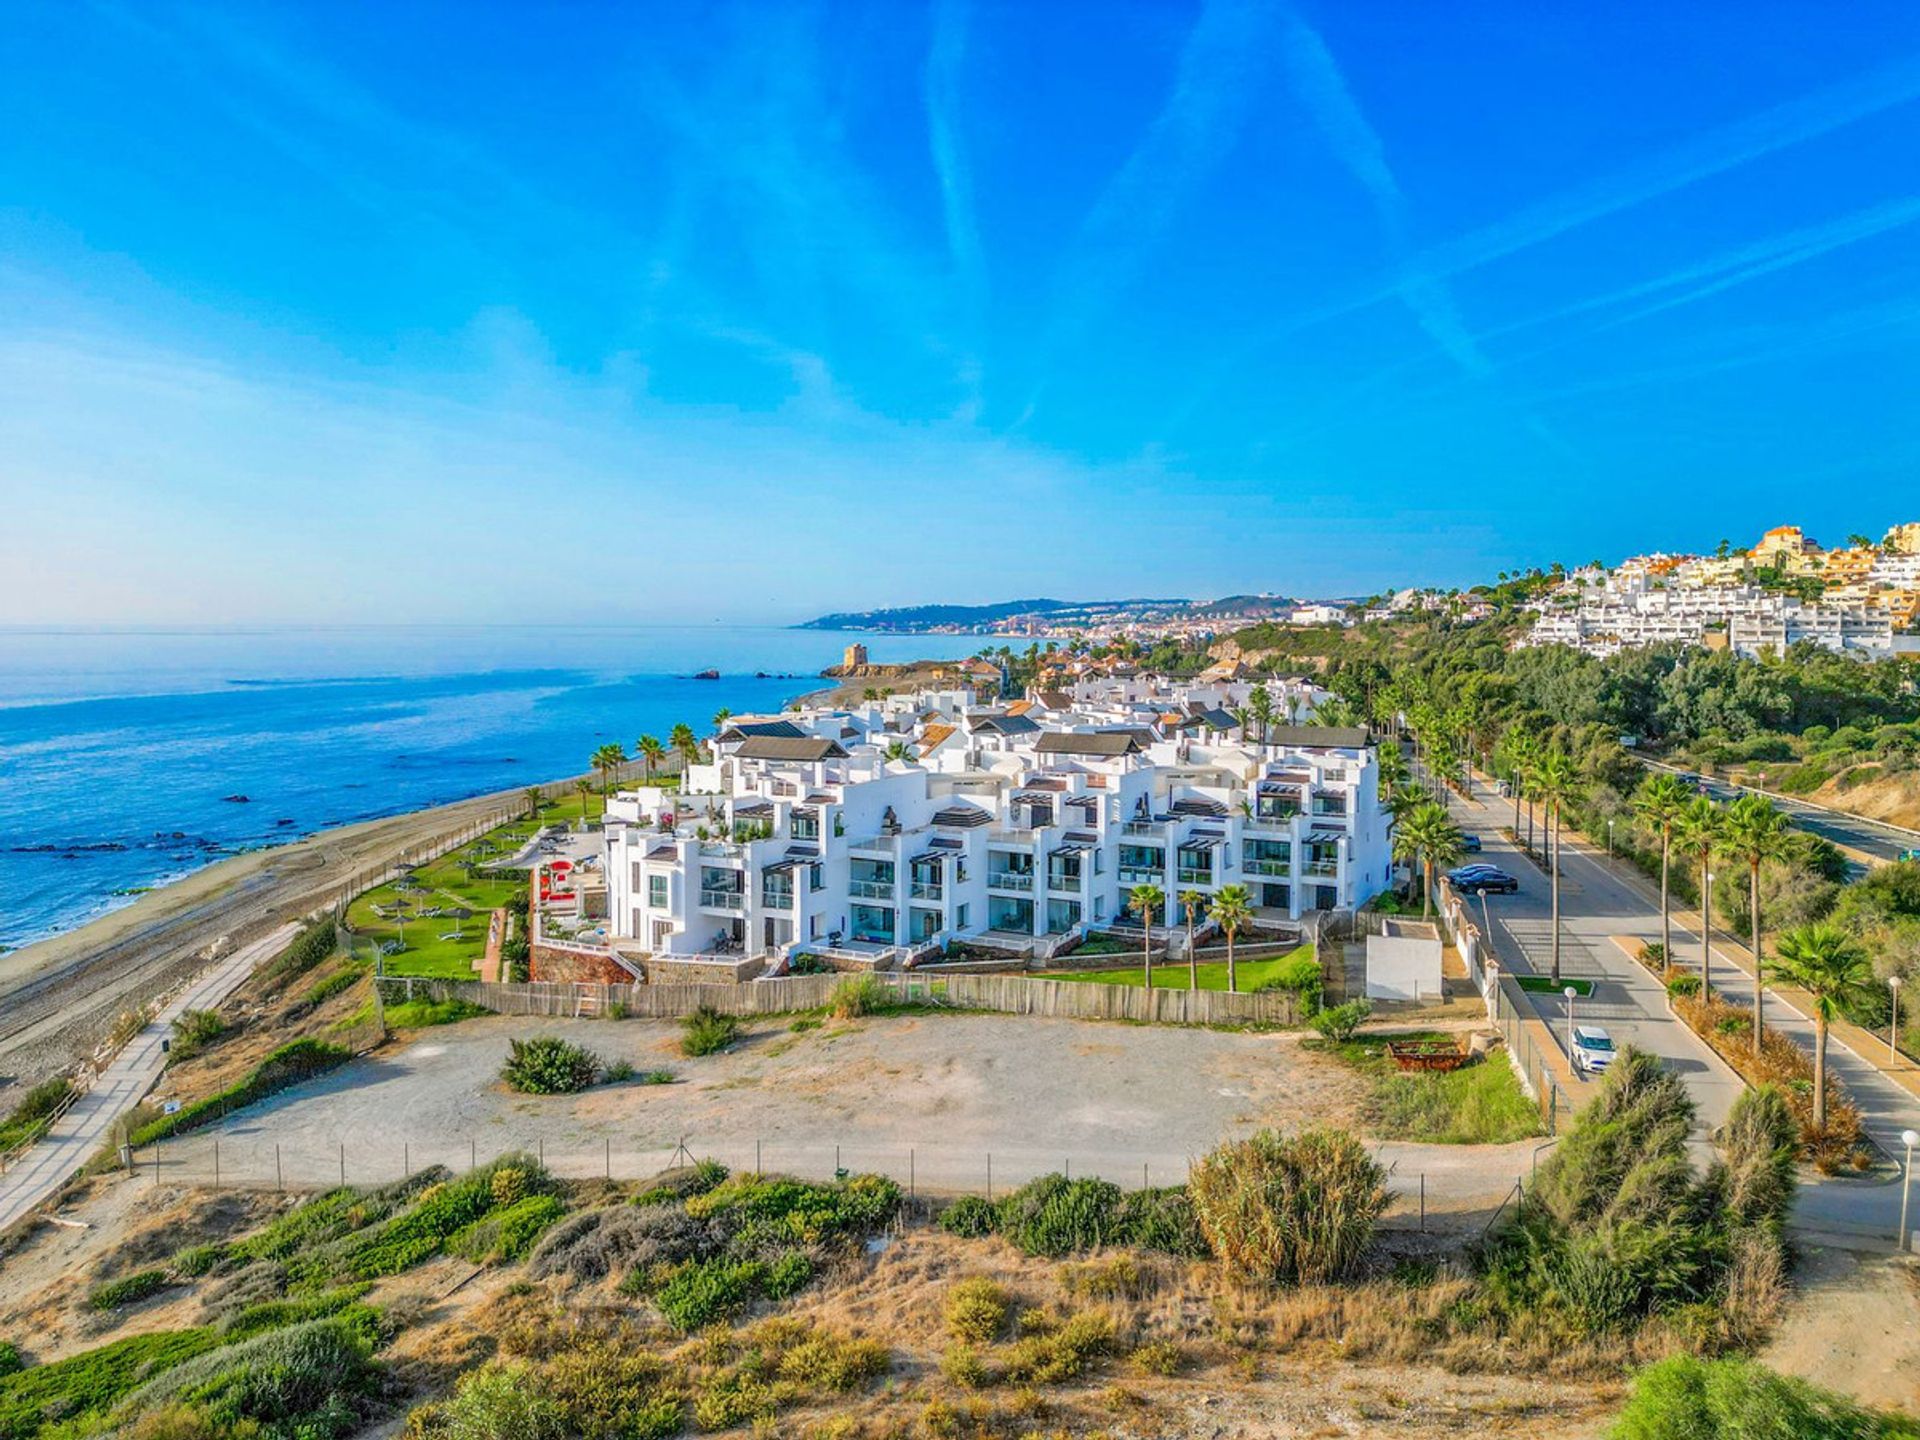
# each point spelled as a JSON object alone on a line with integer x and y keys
{"x": 1855, "y": 1326}
{"x": 931, "y": 1100}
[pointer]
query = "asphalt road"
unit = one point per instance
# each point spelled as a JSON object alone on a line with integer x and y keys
{"x": 1598, "y": 901}
{"x": 1870, "y": 837}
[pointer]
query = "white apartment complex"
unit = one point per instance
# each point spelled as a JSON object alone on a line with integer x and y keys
{"x": 876, "y": 836}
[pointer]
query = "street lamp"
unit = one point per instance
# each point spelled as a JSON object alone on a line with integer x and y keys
{"x": 1569, "y": 992}
{"x": 1609, "y": 839}
{"x": 1909, "y": 1139}
{"x": 1706, "y": 940}
{"x": 1893, "y": 1026}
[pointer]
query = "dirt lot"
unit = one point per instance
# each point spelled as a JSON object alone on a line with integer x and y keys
{"x": 926, "y": 1098}
{"x": 1855, "y": 1326}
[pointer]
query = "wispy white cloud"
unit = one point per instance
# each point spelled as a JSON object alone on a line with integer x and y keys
{"x": 947, "y": 141}
{"x": 1215, "y": 88}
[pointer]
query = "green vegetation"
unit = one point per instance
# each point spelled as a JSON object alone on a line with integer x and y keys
{"x": 857, "y": 996}
{"x": 1546, "y": 985}
{"x": 1297, "y": 976}
{"x": 422, "y": 1013}
{"x": 193, "y": 1032}
{"x": 707, "y": 1032}
{"x": 87, "y": 1384}
{"x": 1055, "y": 1216}
{"x": 127, "y": 1290}
{"x": 1339, "y": 1023}
{"x": 548, "y": 1065}
{"x": 292, "y": 1063}
{"x": 1481, "y": 1103}
{"x": 315, "y": 943}
{"x": 315, "y": 1381}
{"x": 1253, "y": 974}
{"x": 29, "y": 1119}
{"x": 1687, "y": 1398}
{"x": 1299, "y": 1209}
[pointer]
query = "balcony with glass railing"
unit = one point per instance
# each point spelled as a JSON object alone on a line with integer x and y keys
{"x": 1320, "y": 869}
{"x": 926, "y": 890}
{"x": 1266, "y": 867}
{"x": 1144, "y": 827}
{"x": 722, "y": 900}
{"x": 870, "y": 889}
{"x": 1009, "y": 880}
{"x": 1191, "y": 875}
{"x": 776, "y": 897}
{"x": 1141, "y": 874}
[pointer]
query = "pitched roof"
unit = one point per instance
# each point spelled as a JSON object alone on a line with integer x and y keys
{"x": 781, "y": 747}
{"x": 961, "y": 814}
{"x": 1055, "y": 699}
{"x": 1345, "y": 737}
{"x": 934, "y": 736}
{"x": 1101, "y": 742}
{"x": 998, "y": 723}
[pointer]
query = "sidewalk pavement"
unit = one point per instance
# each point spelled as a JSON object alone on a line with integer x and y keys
{"x": 89, "y": 1123}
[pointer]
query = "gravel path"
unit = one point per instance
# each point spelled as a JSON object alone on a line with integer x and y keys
{"x": 934, "y": 1100}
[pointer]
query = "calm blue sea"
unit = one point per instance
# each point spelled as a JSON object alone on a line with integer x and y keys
{"x": 117, "y": 747}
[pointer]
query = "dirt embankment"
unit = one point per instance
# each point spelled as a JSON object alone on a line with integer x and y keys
{"x": 1894, "y": 799}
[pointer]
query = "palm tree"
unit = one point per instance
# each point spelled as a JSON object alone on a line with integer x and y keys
{"x": 1193, "y": 902}
{"x": 1232, "y": 909}
{"x": 897, "y": 750}
{"x": 1832, "y": 967}
{"x": 1393, "y": 771}
{"x": 1260, "y": 707}
{"x": 651, "y": 753}
{"x": 1558, "y": 785}
{"x": 585, "y": 789}
{"x": 535, "y": 798}
{"x": 607, "y": 760}
{"x": 720, "y": 718}
{"x": 682, "y": 738}
{"x": 1658, "y": 806}
{"x": 1756, "y": 831}
{"x": 1522, "y": 749}
{"x": 1428, "y": 837}
{"x": 1698, "y": 833}
{"x": 1145, "y": 901}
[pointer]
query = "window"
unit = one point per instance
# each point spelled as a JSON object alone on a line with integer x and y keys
{"x": 816, "y": 877}
{"x": 1099, "y": 907}
{"x": 657, "y": 891}
{"x": 960, "y": 917}
{"x": 959, "y": 868}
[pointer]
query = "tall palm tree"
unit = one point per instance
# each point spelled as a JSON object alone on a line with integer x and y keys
{"x": 720, "y": 718}
{"x": 1756, "y": 831}
{"x": 1193, "y": 902}
{"x": 535, "y": 798}
{"x": 1260, "y": 707}
{"x": 1658, "y": 806}
{"x": 1831, "y": 966}
{"x": 651, "y": 753}
{"x": 607, "y": 760}
{"x": 1146, "y": 901}
{"x": 898, "y": 750}
{"x": 1232, "y": 910}
{"x": 682, "y": 738}
{"x": 1427, "y": 836}
{"x": 1558, "y": 784}
{"x": 585, "y": 789}
{"x": 1698, "y": 832}
{"x": 1393, "y": 771}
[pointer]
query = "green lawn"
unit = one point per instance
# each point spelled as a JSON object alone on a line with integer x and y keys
{"x": 447, "y": 886}
{"x": 1478, "y": 1104}
{"x": 1173, "y": 975}
{"x": 1543, "y": 985}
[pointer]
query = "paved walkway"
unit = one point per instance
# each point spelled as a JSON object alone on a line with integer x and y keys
{"x": 78, "y": 1135}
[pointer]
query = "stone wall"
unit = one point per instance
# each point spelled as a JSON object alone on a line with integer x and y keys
{"x": 663, "y": 971}
{"x": 575, "y": 965}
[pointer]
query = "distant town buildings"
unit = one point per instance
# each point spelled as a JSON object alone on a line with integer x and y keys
{"x": 1861, "y": 600}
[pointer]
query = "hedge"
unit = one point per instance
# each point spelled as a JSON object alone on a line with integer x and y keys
{"x": 292, "y": 1063}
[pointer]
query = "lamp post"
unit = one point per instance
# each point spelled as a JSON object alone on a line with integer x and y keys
{"x": 1909, "y": 1139}
{"x": 1569, "y": 992}
{"x": 1609, "y": 839}
{"x": 1893, "y": 1025}
{"x": 1706, "y": 940}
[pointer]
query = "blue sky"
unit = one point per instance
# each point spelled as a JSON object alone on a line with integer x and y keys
{"x": 473, "y": 312}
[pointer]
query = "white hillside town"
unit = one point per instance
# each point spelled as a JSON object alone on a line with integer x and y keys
{"x": 880, "y": 835}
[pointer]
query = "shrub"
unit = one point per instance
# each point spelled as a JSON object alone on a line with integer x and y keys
{"x": 92, "y": 1381}
{"x": 619, "y": 1072}
{"x": 127, "y": 1290}
{"x": 1061, "y": 1354}
{"x": 292, "y": 1063}
{"x": 1056, "y": 1216}
{"x": 10, "y": 1360}
{"x": 314, "y": 1381}
{"x": 971, "y": 1216}
{"x": 1684, "y": 1397}
{"x": 962, "y": 1365}
{"x": 498, "y": 1399}
{"x": 324, "y": 990}
{"x": 548, "y": 1065}
{"x": 1299, "y": 977}
{"x": 707, "y": 1032}
{"x": 1162, "y": 1219}
{"x": 193, "y": 1032}
{"x": 314, "y": 943}
{"x": 31, "y": 1116}
{"x": 976, "y": 1310}
{"x": 1339, "y": 1022}
{"x": 508, "y": 1232}
{"x": 1159, "y": 1357}
{"x": 1298, "y": 1210}
{"x": 620, "y": 1238}
{"x": 1683, "y": 987}
{"x": 703, "y": 1291}
{"x": 807, "y": 963}
{"x": 858, "y": 995}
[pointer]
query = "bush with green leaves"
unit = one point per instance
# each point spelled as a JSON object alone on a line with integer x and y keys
{"x": 1295, "y": 1209}
{"x": 858, "y": 995}
{"x": 971, "y": 1216}
{"x": 30, "y": 1118}
{"x": 315, "y": 942}
{"x": 707, "y": 1032}
{"x": 1055, "y": 1216}
{"x": 10, "y": 1359}
{"x": 127, "y": 1290}
{"x": 976, "y": 1310}
{"x": 548, "y": 1065}
{"x": 91, "y": 1382}
{"x": 315, "y": 1381}
{"x": 1339, "y": 1022}
{"x": 1687, "y": 1398}
{"x": 1298, "y": 976}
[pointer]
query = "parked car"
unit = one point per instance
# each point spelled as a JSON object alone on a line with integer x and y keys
{"x": 1592, "y": 1049}
{"x": 1470, "y": 844}
{"x": 1488, "y": 881}
{"x": 1911, "y": 853}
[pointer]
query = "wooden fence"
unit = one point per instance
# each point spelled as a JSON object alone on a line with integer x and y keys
{"x": 1008, "y": 994}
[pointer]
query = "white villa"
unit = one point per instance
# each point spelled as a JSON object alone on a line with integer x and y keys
{"x": 877, "y": 835}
